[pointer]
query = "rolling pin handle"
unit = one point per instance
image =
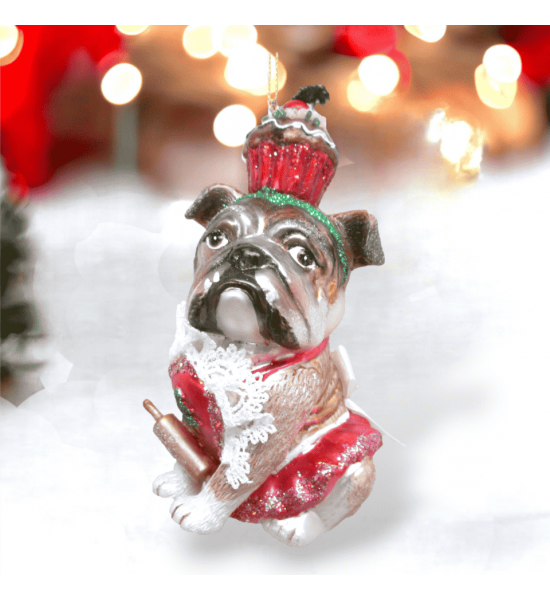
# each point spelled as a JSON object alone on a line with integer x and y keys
{"x": 152, "y": 409}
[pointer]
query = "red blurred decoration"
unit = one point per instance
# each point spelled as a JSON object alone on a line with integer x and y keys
{"x": 533, "y": 44}
{"x": 364, "y": 40}
{"x": 32, "y": 152}
{"x": 404, "y": 68}
{"x": 295, "y": 104}
{"x": 17, "y": 186}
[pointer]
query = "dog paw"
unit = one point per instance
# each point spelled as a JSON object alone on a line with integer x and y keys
{"x": 296, "y": 531}
{"x": 198, "y": 513}
{"x": 174, "y": 483}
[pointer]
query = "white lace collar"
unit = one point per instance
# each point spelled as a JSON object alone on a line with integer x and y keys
{"x": 223, "y": 371}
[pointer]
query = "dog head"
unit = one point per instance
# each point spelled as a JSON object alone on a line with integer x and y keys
{"x": 269, "y": 270}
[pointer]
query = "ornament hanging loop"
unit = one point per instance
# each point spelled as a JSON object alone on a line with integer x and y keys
{"x": 272, "y": 101}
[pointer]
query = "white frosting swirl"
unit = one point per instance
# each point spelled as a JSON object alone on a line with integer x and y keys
{"x": 301, "y": 114}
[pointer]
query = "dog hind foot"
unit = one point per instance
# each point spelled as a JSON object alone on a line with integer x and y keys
{"x": 343, "y": 501}
{"x": 296, "y": 531}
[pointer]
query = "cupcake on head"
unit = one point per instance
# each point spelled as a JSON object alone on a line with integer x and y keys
{"x": 291, "y": 151}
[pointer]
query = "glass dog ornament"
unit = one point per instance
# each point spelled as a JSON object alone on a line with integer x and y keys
{"x": 263, "y": 400}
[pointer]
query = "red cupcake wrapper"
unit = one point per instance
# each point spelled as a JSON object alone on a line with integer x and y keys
{"x": 296, "y": 168}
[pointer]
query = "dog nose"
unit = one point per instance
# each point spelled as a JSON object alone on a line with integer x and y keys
{"x": 248, "y": 258}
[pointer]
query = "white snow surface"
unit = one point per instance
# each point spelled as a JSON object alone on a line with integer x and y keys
{"x": 449, "y": 344}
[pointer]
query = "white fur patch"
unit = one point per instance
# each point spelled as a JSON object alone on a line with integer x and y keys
{"x": 175, "y": 483}
{"x": 202, "y": 513}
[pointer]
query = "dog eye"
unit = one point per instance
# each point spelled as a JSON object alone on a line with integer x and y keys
{"x": 216, "y": 239}
{"x": 303, "y": 257}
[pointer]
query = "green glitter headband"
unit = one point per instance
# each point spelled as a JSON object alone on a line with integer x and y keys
{"x": 280, "y": 199}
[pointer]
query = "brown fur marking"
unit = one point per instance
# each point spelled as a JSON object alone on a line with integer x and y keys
{"x": 361, "y": 486}
{"x": 303, "y": 397}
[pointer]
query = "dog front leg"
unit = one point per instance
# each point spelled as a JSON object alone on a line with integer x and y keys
{"x": 213, "y": 505}
{"x": 207, "y": 511}
{"x": 290, "y": 403}
{"x": 176, "y": 482}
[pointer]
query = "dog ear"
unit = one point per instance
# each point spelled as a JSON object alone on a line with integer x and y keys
{"x": 360, "y": 233}
{"x": 210, "y": 201}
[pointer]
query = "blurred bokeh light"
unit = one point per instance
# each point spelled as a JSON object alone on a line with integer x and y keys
{"x": 236, "y": 36}
{"x": 502, "y": 63}
{"x": 8, "y": 39}
{"x": 360, "y": 97}
{"x": 494, "y": 93}
{"x": 427, "y": 33}
{"x": 121, "y": 83}
{"x": 199, "y": 41}
{"x": 132, "y": 29}
{"x": 379, "y": 74}
{"x": 232, "y": 124}
{"x": 248, "y": 68}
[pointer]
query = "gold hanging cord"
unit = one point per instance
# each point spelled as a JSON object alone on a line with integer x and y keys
{"x": 272, "y": 101}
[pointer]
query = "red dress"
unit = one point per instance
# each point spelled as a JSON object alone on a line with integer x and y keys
{"x": 301, "y": 484}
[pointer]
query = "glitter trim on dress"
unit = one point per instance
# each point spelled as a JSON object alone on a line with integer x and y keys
{"x": 308, "y": 478}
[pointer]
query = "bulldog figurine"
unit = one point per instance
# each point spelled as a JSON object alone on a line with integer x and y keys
{"x": 263, "y": 400}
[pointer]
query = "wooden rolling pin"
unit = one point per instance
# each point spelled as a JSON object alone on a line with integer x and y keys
{"x": 181, "y": 444}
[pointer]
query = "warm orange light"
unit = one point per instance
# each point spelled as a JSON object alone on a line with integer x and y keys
{"x": 233, "y": 123}
{"x": 235, "y": 36}
{"x": 121, "y": 84}
{"x": 472, "y": 163}
{"x": 132, "y": 29}
{"x": 9, "y": 34}
{"x": 496, "y": 79}
{"x": 494, "y": 93}
{"x": 247, "y": 69}
{"x": 262, "y": 91}
{"x": 199, "y": 41}
{"x": 455, "y": 140}
{"x": 462, "y": 146}
{"x": 427, "y": 33}
{"x": 435, "y": 126}
{"x": 503, "y": 63}
{"x": 379, "y": 74}
{"x": 360, "y": 98}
